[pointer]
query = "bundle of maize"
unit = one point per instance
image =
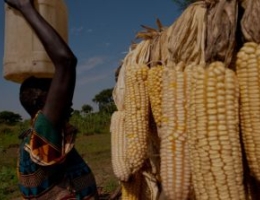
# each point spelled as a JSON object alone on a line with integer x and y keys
{"x": 185, "y": 100}
{"x": 132, "y": 83}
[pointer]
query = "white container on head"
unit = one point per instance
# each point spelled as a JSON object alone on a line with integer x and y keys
{"x": 24, "y": 55}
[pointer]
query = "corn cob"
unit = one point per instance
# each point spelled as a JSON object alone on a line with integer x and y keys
{"x": 155, "y": 92}
{"x": 216, "y": 160}
{"x": 136, "y": 116}
{"x": 248, "y": 72}
{"x": 175, "y": 167}
{"x": 188, "y": 71}
{"x": 132, "y": 189}
{"x": 119, "y": 89}
{"x": 118, "y": 146}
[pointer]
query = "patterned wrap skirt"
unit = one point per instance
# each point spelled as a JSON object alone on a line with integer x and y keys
{"x": 49, "y": 167}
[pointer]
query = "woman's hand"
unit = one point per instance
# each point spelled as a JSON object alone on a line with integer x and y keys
{"x": 19, "y": 4}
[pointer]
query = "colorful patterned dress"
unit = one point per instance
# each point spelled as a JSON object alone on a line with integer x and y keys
{"x": 49, "y": 167}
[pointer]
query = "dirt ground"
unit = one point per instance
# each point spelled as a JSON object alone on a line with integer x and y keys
{"x": 96, "y": 151}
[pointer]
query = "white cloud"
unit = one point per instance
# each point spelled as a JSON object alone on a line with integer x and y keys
{"x": 91, "y": 63}
{"x": 96, "y": 70}
{"x": 87, "y": 79}
{"x": 77, "y": 30}
{"x": 80, "y": 30}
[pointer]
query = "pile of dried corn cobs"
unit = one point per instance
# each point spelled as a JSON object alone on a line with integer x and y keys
{"x": 187, "y": 125}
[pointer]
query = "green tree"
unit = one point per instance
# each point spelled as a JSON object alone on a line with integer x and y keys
{"x": 105, "y": 101}
{"x": 76, "y": 112}
{"x": 8, "y": 117}
{"x": 86, "y": 109}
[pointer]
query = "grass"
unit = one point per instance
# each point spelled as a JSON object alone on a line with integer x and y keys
{"x": 8, "y": 160}
{"x": 95, "y": 149}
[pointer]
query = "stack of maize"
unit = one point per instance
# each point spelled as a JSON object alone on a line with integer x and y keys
{"x": 203, "y": 96}
{"x": 135, "y": 129}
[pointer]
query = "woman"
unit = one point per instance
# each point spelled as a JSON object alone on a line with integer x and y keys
{"x": 49, "y": 167}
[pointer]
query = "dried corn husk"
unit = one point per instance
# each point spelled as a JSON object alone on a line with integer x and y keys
{"x": 159, "y": 50}
{"x": 186, "y": 36}
{"x": 119, "y": 88}
{"x": 250, "y": 23}
{"x": 221, "y": 31}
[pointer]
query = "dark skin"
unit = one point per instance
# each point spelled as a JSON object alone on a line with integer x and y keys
{"x": 59, "y": 98}
{"x": 58, "y": 102}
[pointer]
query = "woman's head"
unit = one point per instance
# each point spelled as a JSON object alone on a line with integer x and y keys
{"x": 33, "y": 93}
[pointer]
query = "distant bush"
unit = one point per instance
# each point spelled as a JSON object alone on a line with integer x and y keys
{"x": 8, "y": 181}
{"x": 9, "y": 133}
{"x": 92, "y": 123}
{"x": 10, "y": 118}
{"x": 5, "y": 129}
{"x": 16, "y": 129}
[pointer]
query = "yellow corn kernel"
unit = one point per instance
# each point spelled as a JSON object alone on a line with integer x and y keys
{"x": 248, "y": 73}
{"x": 214, "y": 141}
{"x": 132, "y": 189}
{"x": 136, "y": 116}
{"x": 155, "y": 92}
{"x": 175, "y": 166}
{"x": 118, "y": 146}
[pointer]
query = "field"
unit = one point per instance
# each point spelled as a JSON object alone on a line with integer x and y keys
{"x": 94, "y": 148}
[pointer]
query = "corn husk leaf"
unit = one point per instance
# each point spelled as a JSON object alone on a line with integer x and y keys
{"x": 250, "y": 23}
{"x": 221, "y": 31}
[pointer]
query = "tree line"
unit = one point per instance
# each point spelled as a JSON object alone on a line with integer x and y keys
{"x": 103, "y": 99}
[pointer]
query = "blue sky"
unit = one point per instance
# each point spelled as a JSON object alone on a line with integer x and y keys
{"x": 100, "y": 33}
